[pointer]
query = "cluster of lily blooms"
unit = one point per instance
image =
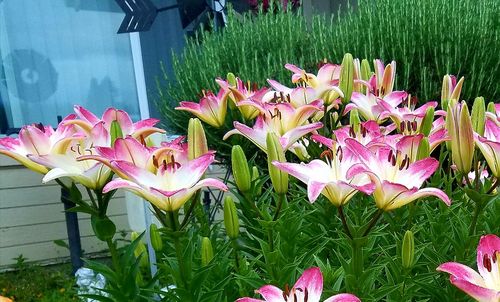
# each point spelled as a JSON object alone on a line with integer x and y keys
{"x": 384, "y": 151}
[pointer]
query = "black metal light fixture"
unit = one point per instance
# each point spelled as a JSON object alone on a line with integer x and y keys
{"x": 140, "y": 14}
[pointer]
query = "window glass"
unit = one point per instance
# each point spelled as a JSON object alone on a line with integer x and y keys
{"x": 58, "y": 53}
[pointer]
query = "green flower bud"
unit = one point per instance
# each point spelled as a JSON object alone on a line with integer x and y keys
{"x": 255, "y": 178}
{"x": 115, "y": 131}
{"x": 354, "y": 119}
{"x": 408, "y": 250}
{"x": 207, "y": 252}
{"x": 231, "y": 79}
{"x": 366, "y": 71}
{"x": 491, "y": 108}
{"x": 346, "y": 80}
{"x": 445, "y": 92}
{"x": 231, "y": 218}
{"x": 423, "y": 150}
{"x": 426, "y": 126}
{"x": 275, "y": 153}
{"x": 459, "y": 126}
{"x": 478, "y": 115}
{"x": 241, "y": 171}
{"x": 140, "y": 250}
{"x": 155, "y": 236}
{"x": 197, "y": 142}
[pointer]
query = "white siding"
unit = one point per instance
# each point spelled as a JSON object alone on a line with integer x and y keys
{"x": 32, "y": 217}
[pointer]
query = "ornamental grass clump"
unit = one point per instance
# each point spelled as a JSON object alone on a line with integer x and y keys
{"x": 427, "y": 39}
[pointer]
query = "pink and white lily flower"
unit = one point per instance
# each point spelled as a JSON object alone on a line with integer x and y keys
{"x": 87, "y": 121}
{"x": 242, "y": 92}
{"x": 287, "y": 122}
{"x": 409, "y": 115}
{"x": 89, "y": 173}
{"x": 170, "y": 186}
{"x": 211, "y": 109}
{"x": 38, "y": 140}
{"x": 489, "y": 144}
{"x": 310, "y": 87}
{"x": 397, "y": 180}
{"x": 307, "y": 289}
{"x": 485, "y": 286}
{"x": 298, "y": 96}
{"x": 330, "y": 178}
{"x": 130, "y": 150}
{"x": 372, "y": 107}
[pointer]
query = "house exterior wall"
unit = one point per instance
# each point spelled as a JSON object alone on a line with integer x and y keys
{"x": 32, "y": 217}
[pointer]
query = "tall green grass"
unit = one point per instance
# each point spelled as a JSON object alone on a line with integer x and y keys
{"x": 427, "y": 38}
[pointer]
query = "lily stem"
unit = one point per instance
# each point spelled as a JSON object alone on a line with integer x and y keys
{"x": 92, "y": 199}
{"x": 193, "y": 204}
{"x": 173, "y": 223}
{"x": 236, "y": 255}
{"x": 344, "y": 222}
{"x": 494, "y": 186}
{"x": 373, "y": 222}
{"x": 115, "y": 257}
{"x": 281, "y": 200}
{"x": 477, "y": 211}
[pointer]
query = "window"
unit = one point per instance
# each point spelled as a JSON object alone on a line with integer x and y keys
{"x": 57, "y": 53}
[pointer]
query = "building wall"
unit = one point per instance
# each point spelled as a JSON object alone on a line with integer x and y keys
{"x": 32, "y": 217}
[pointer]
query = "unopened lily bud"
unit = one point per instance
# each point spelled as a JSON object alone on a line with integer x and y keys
{"x": 423, "y": 150}
{"x": 450, "y": 90}
{"x": 231, "y": 218}
{"x": 207, "y": 252}
{"x": 459, "y": 126}
{"x": 366, "y": 71}
{"x": 241, "y": 171}
{"x": 478, "y": 115}
{"x": 445, "y": 91}
{"x": 140, "y": 250}
{"x": 275, "y": 153}
{"x": 455, "y": 94}
{"x": 255, "y": 178}
{"x": 354, "y": 120}
{"x": 346, "y": 80}
{"x": 426, "y": 125}
{"x": 197, "y": 142}
{"x": 155, "y": 237}
{"x": 408, "y": 250}
{"x": 231, "y": 79}
{"x": 491, "y": 108}
{"x": 115, "y": 131}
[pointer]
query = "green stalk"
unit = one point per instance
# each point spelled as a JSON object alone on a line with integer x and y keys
{"x": 344, "y": 222}
{"x": 357, "y": 257}
{"x": 281, "y": 201}
{"x": 477, "y": 211}
{"x": 115, "y": 257}
{"x": 173, "y": 224}
{"x": 193, "y": 204}
{"x": 373, "y": 222}
{"x": 236, "y": 255}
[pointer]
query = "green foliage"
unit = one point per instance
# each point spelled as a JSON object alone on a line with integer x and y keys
{"x": 30, "y": 283}
{"x": 428, "y": 39}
